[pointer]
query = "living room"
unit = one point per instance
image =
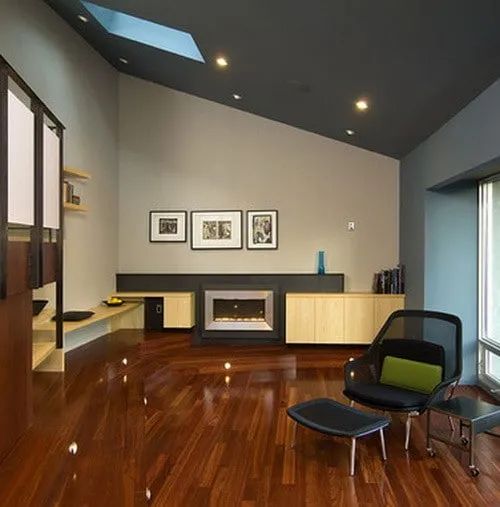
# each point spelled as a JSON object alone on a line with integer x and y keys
{"x": 215, "y": 240}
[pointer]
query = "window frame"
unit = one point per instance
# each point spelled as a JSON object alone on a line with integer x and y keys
{"x": 485, "y": 345}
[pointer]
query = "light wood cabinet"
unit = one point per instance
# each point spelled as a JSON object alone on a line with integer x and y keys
{"x": 338, "y": 318}
{"x": 178, "y": 310}
{"x": 384, "y": 307}
{"x": 359, "y": 319}
{"x": 329, "y": 321}
{"x": 300, "y": 319}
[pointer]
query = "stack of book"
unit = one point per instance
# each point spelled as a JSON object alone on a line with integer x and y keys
{"x": 390, "y": 281}
{"x": 69, "y": 193}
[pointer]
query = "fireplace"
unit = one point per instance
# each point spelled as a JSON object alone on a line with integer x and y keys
{"x": 239, "y": 310}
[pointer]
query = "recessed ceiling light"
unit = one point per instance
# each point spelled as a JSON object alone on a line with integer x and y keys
{"x": 124, "y": 60}
{"x": 221, "y": 61}
{"x": 83, "y": 18}
{"x": 237, "y": 96}
{"x": 361, "y": 105}
{"x": 350, "y": 132}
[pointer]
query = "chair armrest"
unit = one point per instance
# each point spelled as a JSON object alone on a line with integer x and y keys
{"x": 438, "y": 392}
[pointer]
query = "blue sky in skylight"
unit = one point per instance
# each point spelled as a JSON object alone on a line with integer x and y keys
{"x": 146, "y": 32}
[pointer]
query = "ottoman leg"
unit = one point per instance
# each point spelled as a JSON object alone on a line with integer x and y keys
{"x": 353, "y": 455}
{"x": 382, "y": 444}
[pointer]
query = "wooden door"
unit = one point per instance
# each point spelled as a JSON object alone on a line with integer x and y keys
{"x": 329, "y": 320}
{"x": 300, "y": 319}
{"x": 178, "y": 311}
{"x": 359, "y": 319}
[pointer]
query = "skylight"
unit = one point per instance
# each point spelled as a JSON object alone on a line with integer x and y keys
{"x": 145, "y": 32}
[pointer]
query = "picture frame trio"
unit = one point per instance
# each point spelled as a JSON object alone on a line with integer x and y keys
{"x": 216, "y": 230}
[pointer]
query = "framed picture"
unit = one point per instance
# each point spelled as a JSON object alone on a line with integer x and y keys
{"x": 214, "y": 230}
{"x": 262, "y": 230}
{"x": 167, "y": 226}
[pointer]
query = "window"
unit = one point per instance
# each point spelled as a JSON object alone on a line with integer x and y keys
{"x": 489, "y": 283}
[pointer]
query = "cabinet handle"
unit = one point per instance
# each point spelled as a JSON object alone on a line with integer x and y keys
{"x": 158, "y": 309}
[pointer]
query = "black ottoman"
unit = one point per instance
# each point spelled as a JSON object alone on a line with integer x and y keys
{"x": 333, "y": 418}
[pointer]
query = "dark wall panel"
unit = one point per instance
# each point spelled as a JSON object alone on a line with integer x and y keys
{"x": 15, "y": 368}
{"x": 18, "y": 272}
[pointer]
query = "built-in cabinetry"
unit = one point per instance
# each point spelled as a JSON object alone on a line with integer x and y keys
{"x": 337, "y": 318}
{"x": 178, "y": 310}
{"x": 178, "y": 307}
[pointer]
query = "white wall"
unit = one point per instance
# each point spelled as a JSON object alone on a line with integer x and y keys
{"x": 81, "y": 88}
{"x": 178, "y": 151}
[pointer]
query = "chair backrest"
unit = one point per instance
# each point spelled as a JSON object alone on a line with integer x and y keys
{"x": 421, "y": 335}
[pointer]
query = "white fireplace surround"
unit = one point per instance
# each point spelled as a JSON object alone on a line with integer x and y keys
{"x": 265, "y": 325}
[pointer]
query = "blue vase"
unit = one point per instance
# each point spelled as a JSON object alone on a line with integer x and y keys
{"x": 321, "y": 262}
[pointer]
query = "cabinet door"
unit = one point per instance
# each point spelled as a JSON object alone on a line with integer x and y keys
{"x": 384, "y": 306}
{"x": 300, "y": 316}
{"x": 178, "y": 311}
{"x": 329, "y": 320}
{"x": 359, "y": 319}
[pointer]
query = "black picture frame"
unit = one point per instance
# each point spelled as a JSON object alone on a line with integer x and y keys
{"x": 181, "y": 237}
{"x": 274, "y": 233}
{"x": 193, "y": 223}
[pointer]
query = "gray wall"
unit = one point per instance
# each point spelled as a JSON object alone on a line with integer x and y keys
{"x": 451, "y": 262}
{"x": 468, "y": 141}
{"x": 81, "y": 89}
{"x": 182, "y": 152}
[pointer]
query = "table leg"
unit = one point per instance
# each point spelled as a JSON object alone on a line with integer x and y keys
{"x": 353, "y": 455}
{"x": 293, "y": 443}
{"x": 382, "y": 444}
{"x": 472, "y": 449}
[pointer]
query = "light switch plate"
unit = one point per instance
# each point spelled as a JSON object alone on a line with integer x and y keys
{"x": 351, "y": 226}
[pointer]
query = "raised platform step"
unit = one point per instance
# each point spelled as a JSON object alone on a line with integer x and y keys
{"x": 101, "y": 313}
{"x": 41, "y": 351}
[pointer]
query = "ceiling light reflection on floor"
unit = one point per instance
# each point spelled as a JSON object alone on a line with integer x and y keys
{"x": 73, "y": 448}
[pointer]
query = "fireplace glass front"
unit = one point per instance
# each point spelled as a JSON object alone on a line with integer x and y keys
{"x": 239, "y": 310}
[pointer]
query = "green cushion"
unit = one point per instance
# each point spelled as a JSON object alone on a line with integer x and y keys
{"x": 412, "y": 375}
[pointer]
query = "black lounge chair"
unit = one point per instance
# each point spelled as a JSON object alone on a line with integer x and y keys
{"x": 432, "y": 338}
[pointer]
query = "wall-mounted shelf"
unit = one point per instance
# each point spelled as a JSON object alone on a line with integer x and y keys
{"x": 73, "y": 172}
{"x": 75, "y": 207}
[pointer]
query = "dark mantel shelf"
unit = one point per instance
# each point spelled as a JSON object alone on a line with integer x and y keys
{"x": 286, "y": 282}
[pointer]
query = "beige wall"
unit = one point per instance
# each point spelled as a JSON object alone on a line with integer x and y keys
{"x": 81, "y": 89}
{"x": 178, "y": 151}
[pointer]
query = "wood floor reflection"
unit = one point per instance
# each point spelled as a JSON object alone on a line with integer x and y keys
{"x": 159, "y": 422}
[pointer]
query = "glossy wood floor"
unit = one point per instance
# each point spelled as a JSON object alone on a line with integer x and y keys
{"x": 175, "y": 425}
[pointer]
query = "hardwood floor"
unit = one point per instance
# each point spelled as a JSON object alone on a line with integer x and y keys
{"x": 174, "y": 424}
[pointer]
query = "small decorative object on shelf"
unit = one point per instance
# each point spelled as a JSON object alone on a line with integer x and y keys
{"x": 321, "y": 262}
{"x": 390, "y": 281}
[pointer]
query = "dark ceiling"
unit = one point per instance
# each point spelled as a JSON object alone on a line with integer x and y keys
{"x": 304, "y": 63}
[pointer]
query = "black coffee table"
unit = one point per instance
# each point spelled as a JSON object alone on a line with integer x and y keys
{"x": 333, "y": 418}
{"x": 476, "y": 415}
